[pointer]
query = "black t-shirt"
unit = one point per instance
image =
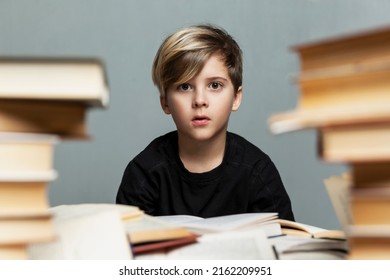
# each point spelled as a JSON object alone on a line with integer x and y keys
{"x": 246, "y": 181}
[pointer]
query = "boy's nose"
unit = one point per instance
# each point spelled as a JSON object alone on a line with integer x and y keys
{"x": 200, "y": 99}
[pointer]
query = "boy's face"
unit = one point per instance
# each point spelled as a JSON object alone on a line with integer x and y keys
{"x": 201, "y": 107}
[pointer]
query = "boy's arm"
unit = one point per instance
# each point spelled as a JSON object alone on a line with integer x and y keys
{"x": 136, "y": 189}
{"x": 270, "y": 193}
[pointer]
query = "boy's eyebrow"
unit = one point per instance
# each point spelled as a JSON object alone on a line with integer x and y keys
{"x": 213, "y": 78}
{"x": 217, "y": 78}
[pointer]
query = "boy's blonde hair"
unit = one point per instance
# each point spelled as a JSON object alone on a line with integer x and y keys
{"x": 183, "y": 54}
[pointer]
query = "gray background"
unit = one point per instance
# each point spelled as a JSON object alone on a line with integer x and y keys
{"x": 126, "y": 35}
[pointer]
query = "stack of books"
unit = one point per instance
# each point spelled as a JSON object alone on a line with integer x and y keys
{"x": 25, "y": 173}
{"x": 344, "y": 94}
{"x": 42, "y": 101}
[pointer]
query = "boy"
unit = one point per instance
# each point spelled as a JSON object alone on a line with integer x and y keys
{"x": 201, "y": 169}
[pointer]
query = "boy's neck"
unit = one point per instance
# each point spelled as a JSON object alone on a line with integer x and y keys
{"x": 202, "y": 156}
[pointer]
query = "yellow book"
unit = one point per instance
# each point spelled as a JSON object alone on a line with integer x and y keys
{"x": 26, "y": 228}
{"x": 14, "y": 252}
{"x": 50, "y": 95}
{"x": 355, "y": 143}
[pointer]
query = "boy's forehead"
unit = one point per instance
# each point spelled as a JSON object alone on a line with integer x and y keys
{"x": 214, "y": 65}
{"x": 213, "y": 68}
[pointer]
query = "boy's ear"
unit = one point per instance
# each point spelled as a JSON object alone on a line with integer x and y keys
{"x": 237, "y": 100}
{"x": 164, "y": 105}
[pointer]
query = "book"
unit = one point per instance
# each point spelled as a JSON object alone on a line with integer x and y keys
{"x": 323, "y": 117}
{"x": 164, "y": 245}
{"x": 26, "y": 152}
{"x": 370, "y": 174}
{"x": 355, "y": 143}
{"x": 54, "y": 78}
{"x": 289, "y": 247}
{"x": 18, "y": 198}
{"x": 13, "y": 252}
{"x": 370, "y": 206}
{"x": 24, "y": 192}
{"x": 63, "y": 118}
{"x": 26, "y": 169}
{"x": 50, "y": 95}
{"x": 338, "y": 189}
{"x": 27, "y": 228}
{"x": 198, "y": 225}
{"x": 152, "y": 229}
{"x": 369, "y": 248}
{"x": 341, "y": 80}
{"x": 86, "y": 232}
{"x": 127, "y": 213}
{"x": 251, "y": 244}
{"x": 28, "y": 176}
{"x": 369, "y": 242}
{"x": 300, "y": 229}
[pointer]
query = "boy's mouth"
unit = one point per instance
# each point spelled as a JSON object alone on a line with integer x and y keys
{"x": 200, "y": 120}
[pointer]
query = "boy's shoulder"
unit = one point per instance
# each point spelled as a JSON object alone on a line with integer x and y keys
{"x": 159, "y": 150}
{"x": 243, "y": 150}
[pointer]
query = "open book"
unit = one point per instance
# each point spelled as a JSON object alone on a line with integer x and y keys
{"x": 301, "y": 229}
{"x": 104, "y": 231}
{"x": 298, "y": 247}
{"x": 198, "y": 225}
{"x": 231, "y": 245}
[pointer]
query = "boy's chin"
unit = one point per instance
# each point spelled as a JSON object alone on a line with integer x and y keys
{"x": 204, "y": 136}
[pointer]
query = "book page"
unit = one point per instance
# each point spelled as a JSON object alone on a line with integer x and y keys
{"x": 179, "y": 219}
{"x": 301, "y": 229}
{"x": 71, "y": 211}
{"x": 300, "y": 226}
{"x": 148, "y": 223}
{"x": 338, "y": 191}
{"x": 287, "y": 243}
{"x": 91, "y": 236}
{"x": 301, "y": 248}
{"x": 229, "y": 222}
{"x": 242, "y": 245}
{"x": 150, "y": 228}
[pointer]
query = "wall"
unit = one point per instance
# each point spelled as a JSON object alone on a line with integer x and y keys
{"x": 126, "y": 35}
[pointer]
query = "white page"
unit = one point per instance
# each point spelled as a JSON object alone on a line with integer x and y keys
{"x": 179, "y": 219}
{"x": 85, "y": 235}
{"x": 222, "y": 223}
{"x": 240, "y": 245}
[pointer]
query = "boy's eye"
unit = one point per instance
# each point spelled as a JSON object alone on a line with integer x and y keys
{"x": 184, "y": 87}
{"x": 215, "y": 85}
